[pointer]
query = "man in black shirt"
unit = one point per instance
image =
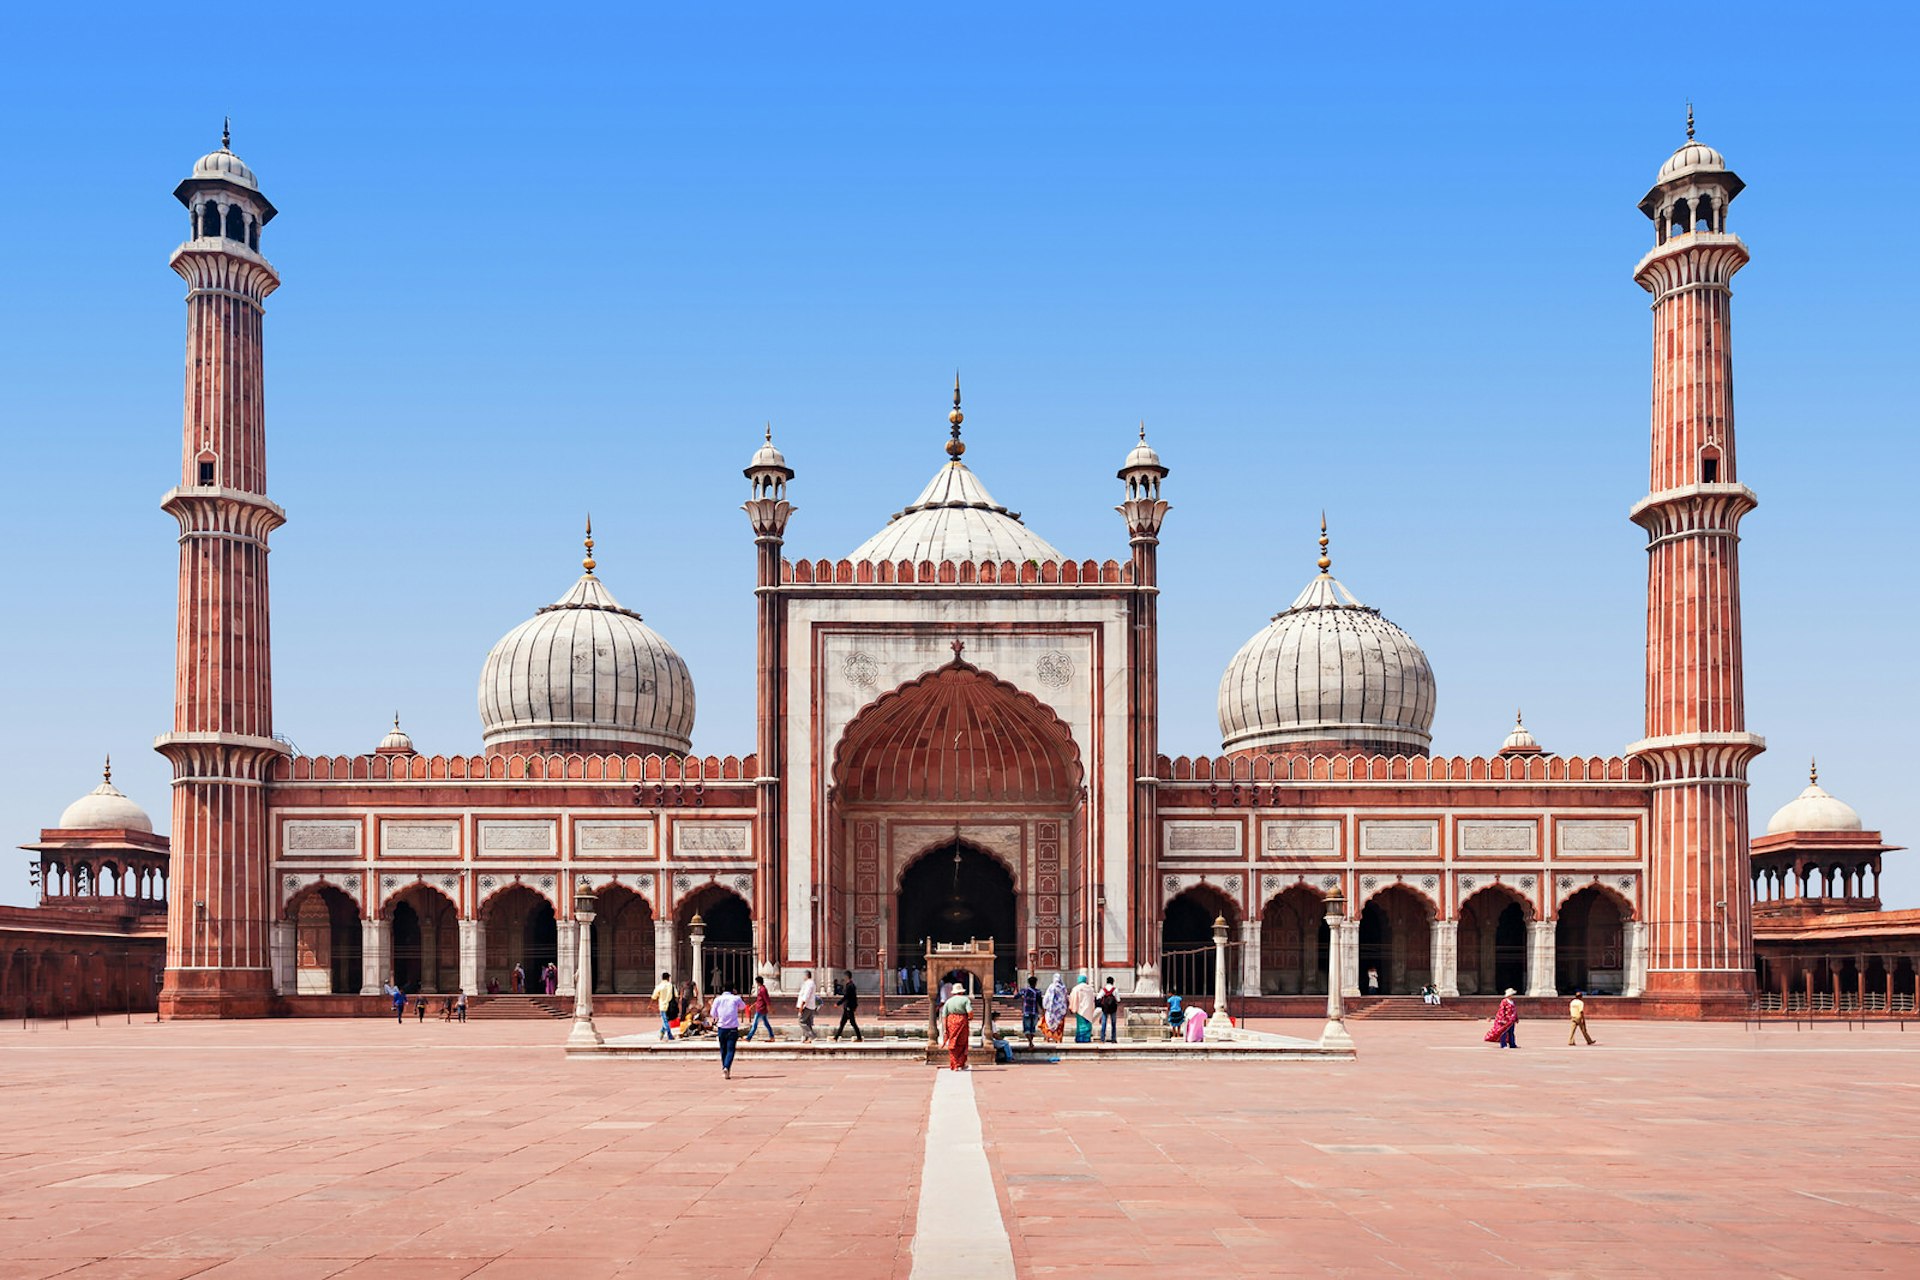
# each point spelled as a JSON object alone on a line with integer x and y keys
{"x": 849, "y": 1002}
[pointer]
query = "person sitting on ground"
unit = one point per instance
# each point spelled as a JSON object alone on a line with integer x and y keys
{"x": 693, "y": 1013}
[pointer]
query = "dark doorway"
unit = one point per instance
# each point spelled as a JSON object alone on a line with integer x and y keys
{"x": 956, "y": 894}
{"x": 1187, "y": 958}
{"x": 1395, "y": 937}
{"x": 727, "y": 952}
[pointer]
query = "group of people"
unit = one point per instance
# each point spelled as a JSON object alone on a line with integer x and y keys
{"x": 517, "y": 980}
{"x": 1507, "y": 1017}
{"x": 453, "y": 1008}
{"x": 690, "y": 1015}
{"x": 1044, "y": 1013}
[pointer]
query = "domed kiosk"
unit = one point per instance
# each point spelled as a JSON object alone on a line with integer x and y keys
{"x": 585, "y": 674}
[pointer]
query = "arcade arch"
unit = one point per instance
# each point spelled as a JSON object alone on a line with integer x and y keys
{"x": 1396, "y": 932}
{"x": 424, "y": 933}
{"x": 727, "y": 951}
{"x": 1294, "y": 944}
{"x": 521, "y": 930}
{"x": 622, "y": 942}
{"x": 1590, "y": 942}
{"x": 1493, "y": 942}
{"x": 327, "y": 942}
{"x": 1186, "y": 942}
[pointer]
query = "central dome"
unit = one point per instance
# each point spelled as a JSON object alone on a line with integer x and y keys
{"x": 584, "y": 674}
{"x": 1814, "y": 809}
{"x": 955, "y": 518}
{"x": 1328, "y": 674}
{"x": 105, "y": 809}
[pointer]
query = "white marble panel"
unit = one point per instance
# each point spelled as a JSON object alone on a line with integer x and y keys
{"x": 1208, "y": 840}
{"x": 322, "y": 839}
{"x": 1496, "y": 838}
{"x": 1294, "y": 837}
{"x": 516, "y": 839}
{"x": 420, "y": 838}
{"x": 1399, "y": 839}
{"x": 1603, "y": 838}
{"x": 594, "y": 838}
{"x": 712, "y": 839}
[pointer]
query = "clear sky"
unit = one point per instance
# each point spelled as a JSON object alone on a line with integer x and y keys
{"x": 1375, "y": 260}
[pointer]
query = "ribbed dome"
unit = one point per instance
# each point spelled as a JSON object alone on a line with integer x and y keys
{"x": 768, "y": 458}
{"x": 585, "y": 671}
{"x": 1691, "y": 157}
{"x": 224, "y": 166}
{"x": 1143, "y": 457}
{"x": 1328, "y": 670}
{"x": 1813, "y": 810}
{"x": 397, "y": 742}
{"x": 955, "y": 518}
{"x": 1520, "y": 741}
{"x": 105, "y": 809}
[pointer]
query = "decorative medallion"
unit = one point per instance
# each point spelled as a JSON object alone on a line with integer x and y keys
{"x": 292, "y": 883}
{"x": 1626, "y": 884}
{"x": 1171, "y": 884}
{"x": 1329, "y": 882}
{"x": 1564, "y": 883}
{"x": 743, "y": 885}
{"x": 1526, "y": 882}
{"x": 860, "y": 669}
{"x": 1430, "y": 882}
{"x": 682, "y": 883}
{"x": 1054, "y": 669}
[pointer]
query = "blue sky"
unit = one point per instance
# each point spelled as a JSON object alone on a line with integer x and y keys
{"x": 1371, "y": 259}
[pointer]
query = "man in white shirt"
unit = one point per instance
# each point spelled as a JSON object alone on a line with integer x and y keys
{"x": 725, "y": 1011}
{"x": 803, "y": 1008}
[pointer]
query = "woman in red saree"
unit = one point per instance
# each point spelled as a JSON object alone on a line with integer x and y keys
{"x": 1503, "y": 1022}
{"x": 959, "y": 1026}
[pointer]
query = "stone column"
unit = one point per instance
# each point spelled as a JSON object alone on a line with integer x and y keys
{"x": 1634, "y": 944}
{"x": 579, "y": 959}
{"x": 1346, "y": 946}
{"x": 285, "y": 958}
{"x": 376, "y": 956}
{"x": 1250, "y": 958}
{"x": 567, "y": 951}
{"x": 473, "y": 960}
{"x": 1446, "y": 957}
{"x": 697, "y": 934}
{"x": 1220, "y": 967}
{"x": 664, "y": 950}
{"x": 1335, "y": 1034}
{"x": 1541, "y": 977}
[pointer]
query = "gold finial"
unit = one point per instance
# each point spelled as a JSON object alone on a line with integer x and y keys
{"x": 769, "y": 433}
{"x": 1143, "y": 431}
{"x": 226, "y": 133}
{"x": 396, "y": 722}
{"x": 955, "y": 446}
{"x": 1517, "y": 721}
{"x": 588, "y": 563}
{"x": 1325, "y": 563}
{"x": 1689, "y": 120}
{"x": 1813, "y": 771}
{"x": 106, "y": 773}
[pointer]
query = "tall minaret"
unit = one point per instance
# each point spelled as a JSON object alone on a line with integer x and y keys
{"x": 219, "y": 912}
{"x": 768, "y": 511}
{"x": 1698, "y": 904}
{"x": 1145, "y": 511}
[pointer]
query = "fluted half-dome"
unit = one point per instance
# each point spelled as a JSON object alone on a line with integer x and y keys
{"x": 398, "y": 741}
{"x": 1328, "y": 673}
{"x": 1520, "y": 740}
{"x": 1813, "y": 810}
{"x": 586, "y": 674}
{"x": 224, "y": 166}
{"x": 105, "y": 809}
{"x": 1692, "y": 157}
{"x": 955, "y": 518}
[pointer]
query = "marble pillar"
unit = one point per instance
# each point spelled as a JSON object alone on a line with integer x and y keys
{"x": 1634, "y": 944}
{"x": 376, "y": 956}
{"x": 566, "y": 946}
{"x": 284, "y": 955}
{"x": 1446, "y": 957}
{"x": 1542, "y": 978}
{"x": 473, "y": 960}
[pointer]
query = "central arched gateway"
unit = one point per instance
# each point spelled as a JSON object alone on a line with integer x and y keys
{"x": 958, "y": 811}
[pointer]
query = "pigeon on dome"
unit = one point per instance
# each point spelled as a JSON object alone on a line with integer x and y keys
{"x": 1520, "y": 742}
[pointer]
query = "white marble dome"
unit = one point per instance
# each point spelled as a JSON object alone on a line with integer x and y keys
{"x": 1328, "y": 669}
{"x": 1692, "y": 157}
{"x": 224, "y": 166}
{"x": 1813, "y": 810}
{"x": 586, "y": 670}
{"x": 955, "y": 518}
{"x": 105, "y": 809}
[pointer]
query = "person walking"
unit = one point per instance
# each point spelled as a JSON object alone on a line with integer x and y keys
{"x": 1030, "y": 1007}
{"x": 460, "y": 1008}
{"x": 762, "y": 1010}
{"x": 420, "y": 1010}
{"x": 1577, "y": 1017}
{"x": 803, "y": 1008}
{"x": 1504, "y": 1020}
{"x": 551, "y": 976}
{"x": 958, "y": 1023}
{"x": 519, "y": 980}
{"x": 399, "y": 999}
{"x": 725, "y": 1012}
{"x": 663, "y": 997}
{"x": 1108, "y": 1002}
{"x": 1053, "y": 1005}
{"x": 849, "y": 1004}
{"x": 1080, "y": 1000}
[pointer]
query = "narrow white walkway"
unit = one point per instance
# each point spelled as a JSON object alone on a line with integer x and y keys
{"x": 958, "y": 1233}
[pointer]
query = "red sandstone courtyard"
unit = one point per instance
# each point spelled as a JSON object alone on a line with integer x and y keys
{"x": 315, "y": 1148}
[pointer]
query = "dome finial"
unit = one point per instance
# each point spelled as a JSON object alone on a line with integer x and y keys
{"x": 769, "y": 432}
{"x": 226, "y": 133}
{"x": 1689, "y": 119}
{"x": 1813, "y": 771}
{"x": 955, "y": 447}
{"x": 106, "y": 773}
{"x": 396, "y": 719}
{"x": 1143, "y": 431}
{"x": 1518, "y": 723}
{"x": 588, "y": 563}
{"x": 1325, "y": 563}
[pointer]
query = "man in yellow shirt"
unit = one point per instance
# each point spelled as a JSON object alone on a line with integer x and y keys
{"x": 663, "y": 996}
{"x": 1577, "y": 1014}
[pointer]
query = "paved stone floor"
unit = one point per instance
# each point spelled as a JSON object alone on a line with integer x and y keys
{"x": 358, "y": 1148}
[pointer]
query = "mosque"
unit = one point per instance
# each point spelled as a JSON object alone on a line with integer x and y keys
{"x": 958, "y": 737}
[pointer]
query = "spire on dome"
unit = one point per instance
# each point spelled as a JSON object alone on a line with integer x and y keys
{"x": 1689, "y": 119}
{"x": 106, "y": 772}
{"x": 226, "y": 133}
{"x": 588, "y": 562}
{"x": 955, "y": 446}
{"x": 1813, "y": 771}
{"x": 1324, "y": 562}
{"x": 1520, "y": 741}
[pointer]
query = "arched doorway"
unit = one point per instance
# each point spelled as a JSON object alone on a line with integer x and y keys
{"x": 1186, "y": 942}
{"x": 424, "y": 932}
{"x": 622, "y": 942}
{"x": 727, "y": 954}
{"x": 1294, "y": 944}
{"x": 326, "y": 940}
{"x": 1396, "y": 942}
{"x": 956, "y": 893}
{"x": 520, "y": 930}
{"x": 1590, "y": 943}
{"x": 1493, "y": 943}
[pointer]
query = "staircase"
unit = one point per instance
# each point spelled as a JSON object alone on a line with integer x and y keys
{"x": 517, "y": 1008}
{"x": 1404, "y": 1009}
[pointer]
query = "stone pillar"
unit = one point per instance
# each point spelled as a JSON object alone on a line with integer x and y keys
{"x": 1542, "y": 980}
{"x": 1634, "y": 944}
{"x": 579, "y": 959}
{"x": 1335, "y": 1034}
{"x": 567, "y": 952}
{"x": 285, "y": 958}
{"x": 376, "y": 956}
{"x": 473, "y": 960}
{"x": 665, "y": 952}
{"x": 1346, "y": 945}
{"x": 1446, "y": 957}
{"x": 697, "y": 935}
{"x": 1250, "y": 958}
{"x": 1220, "y": 967}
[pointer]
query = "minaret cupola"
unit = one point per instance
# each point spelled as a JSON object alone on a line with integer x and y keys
{"x": 223, "y": 197}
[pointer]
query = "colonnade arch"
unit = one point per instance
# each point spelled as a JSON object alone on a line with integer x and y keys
{"x": 520, "y": 930}
{"x": 1294, "y": 944}
{"x": 1396, "y": 948}
{"x": 1493, "y": 942}
{"x": 327, "y": 941}
{"x": 1186, "y": 941}
{"x": 1590, "y": 942}
{"x": 623, "y": 942}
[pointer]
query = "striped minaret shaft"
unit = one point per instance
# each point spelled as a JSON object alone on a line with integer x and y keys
{"x": 1696, "y": 749}
{"x": 219, "y": 910}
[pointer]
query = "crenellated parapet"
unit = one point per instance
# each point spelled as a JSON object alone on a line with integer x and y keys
{"x": 948, "y": 573}
{"x": 542, "y": 767}
{"x": 1244, "y": 768}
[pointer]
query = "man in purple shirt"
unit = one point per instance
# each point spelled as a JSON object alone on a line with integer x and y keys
{"x": 725, "y": 1012}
